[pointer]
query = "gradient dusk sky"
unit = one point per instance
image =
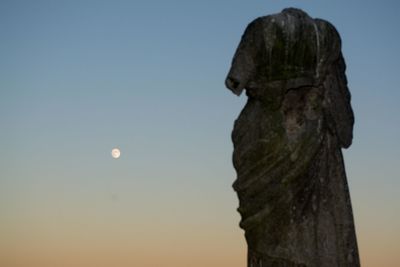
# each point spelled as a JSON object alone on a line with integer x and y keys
{"x": 81, "y": 77}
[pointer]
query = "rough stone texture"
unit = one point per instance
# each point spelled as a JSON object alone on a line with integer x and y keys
{"x": 291, "y": 182}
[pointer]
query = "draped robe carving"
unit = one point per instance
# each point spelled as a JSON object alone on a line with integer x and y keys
{"x": 291, "y": 182}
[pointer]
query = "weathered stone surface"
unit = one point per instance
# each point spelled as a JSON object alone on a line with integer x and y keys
{"x": 291, "y": 182}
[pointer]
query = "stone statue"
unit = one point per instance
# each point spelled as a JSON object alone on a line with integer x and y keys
{"x": 291, "y": 183}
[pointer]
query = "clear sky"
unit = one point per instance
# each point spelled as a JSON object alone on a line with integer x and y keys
{"x": 81, "y": 77}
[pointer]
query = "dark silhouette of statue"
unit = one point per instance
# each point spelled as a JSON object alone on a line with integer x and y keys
{"x": 291, "y": 182}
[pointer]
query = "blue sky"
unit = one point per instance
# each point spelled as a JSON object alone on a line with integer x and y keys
{"x": 80, "y": 77}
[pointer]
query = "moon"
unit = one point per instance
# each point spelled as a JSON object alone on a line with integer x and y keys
{"x": 115, "y": 153}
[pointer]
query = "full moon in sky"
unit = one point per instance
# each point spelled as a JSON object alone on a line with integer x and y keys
{"x": 115, "y": 153}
